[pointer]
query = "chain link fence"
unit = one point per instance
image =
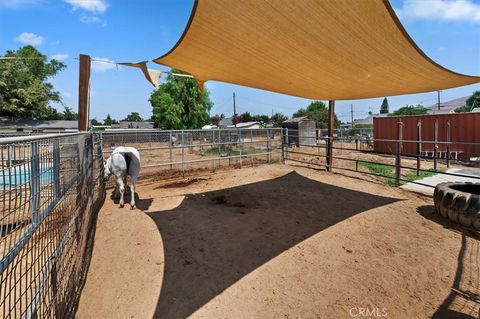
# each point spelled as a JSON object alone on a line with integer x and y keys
{"x": 51, "y": 188}
{"x": 169, "y": 152}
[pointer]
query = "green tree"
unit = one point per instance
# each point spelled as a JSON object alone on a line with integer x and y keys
{"x": 246, "y": 117}
{"x": 301, "y": 112}
{"x": 133, "y": 117}
{"x": 411, "y": 110}
{"x": 95, "y": 122}
{"x": 474, "y": 100}
{"x": 384, "y": 108}
{"x": 462, "y": 109}
{"x": 24, "y": 90}
{"x": 317, "y": 111}
{"x": 262, "y": 118}
{"x": 180, "y": 104}
{"x": 277, "y": 119}
{"x": 109, "y": 121}
{"x": 69, "y": 114}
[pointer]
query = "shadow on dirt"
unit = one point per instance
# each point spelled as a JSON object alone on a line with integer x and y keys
{"x": 142, "y": 204}
{"x": 466, "y": 285}
{"x": 214, "y": 239}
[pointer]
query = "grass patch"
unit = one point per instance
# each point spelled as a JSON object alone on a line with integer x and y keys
{"x": 388, "y": 171}
{"x": 385, "y": 170}
{"x": 412, "y": 175}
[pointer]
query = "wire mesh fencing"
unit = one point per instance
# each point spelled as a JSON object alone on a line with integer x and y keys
{"x": 51, "y": 188}
{"x": 174, "y": 151}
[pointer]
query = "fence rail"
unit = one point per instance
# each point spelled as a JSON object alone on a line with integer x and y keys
{"x": 51, "y": 188}
{"x": 357, "y": 155}
{"x": 183, "y": 150}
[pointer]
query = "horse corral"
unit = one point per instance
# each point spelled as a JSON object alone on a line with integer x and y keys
{"x": 218, "y": 232}
{"x": 277, "y": 241}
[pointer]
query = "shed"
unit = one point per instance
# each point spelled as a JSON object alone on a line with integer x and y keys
{"x": 301, "y": 131}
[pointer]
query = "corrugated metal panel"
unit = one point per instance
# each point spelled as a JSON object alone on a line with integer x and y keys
{"x": 464, "y": 127}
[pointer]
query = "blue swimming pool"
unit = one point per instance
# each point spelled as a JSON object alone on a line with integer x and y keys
{"x": 20, "y": 175}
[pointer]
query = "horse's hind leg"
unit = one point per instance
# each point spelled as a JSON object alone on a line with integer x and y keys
{"x": 133, "y": 181}
{"x": 121, "y": 188}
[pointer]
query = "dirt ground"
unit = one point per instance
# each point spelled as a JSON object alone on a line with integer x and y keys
{"x": 279, "y": 241}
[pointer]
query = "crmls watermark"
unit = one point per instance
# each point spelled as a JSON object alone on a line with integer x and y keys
{"x": 368, "y": 312}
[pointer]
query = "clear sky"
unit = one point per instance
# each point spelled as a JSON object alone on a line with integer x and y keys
{"x": 124, "y": 31}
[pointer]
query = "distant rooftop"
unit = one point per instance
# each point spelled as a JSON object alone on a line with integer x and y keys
{"x": 24, "y": 123}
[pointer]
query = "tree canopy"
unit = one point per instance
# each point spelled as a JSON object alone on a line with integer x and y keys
{"x": 384, "y": 108}
{"x": 474, "y": 100}
{"x": 317, "y": 111}
{"x": 180, "y": 104}
{"x": 277, "y": 119}
{"x": 109, "y": 121}
{"x": 24, "y": 90}
{"x": 246, "y": 117}
{"x": 133, "y": 117}
{"x": 411, "y": 110}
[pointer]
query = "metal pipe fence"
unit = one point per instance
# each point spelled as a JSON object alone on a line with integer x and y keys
{"x": 357, "y": 155}
{"x": 184, "y": 150}
{"x": 51, "y": 188}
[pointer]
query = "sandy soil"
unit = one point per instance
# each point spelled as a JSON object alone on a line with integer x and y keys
{"x": 276, "y": 241}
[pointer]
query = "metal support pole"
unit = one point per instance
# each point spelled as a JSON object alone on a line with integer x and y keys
{"x": 83, "y": 92}
{"x": 213, "y": 146}
{"x": 56, "y": 169}
{"x": 170, "y": 149}
{"x": 331, "y": 116}
{"x": 183, "y": 156}
{"x": 35, "y": 182}
{"x": 268, "y": 146}
{"x": 435, "y": 145}
{"x": 448, "y": 144}
{"x": 419, "y": 145}
{"x": 398, "y": 156}
{"x": 286, "y": 142}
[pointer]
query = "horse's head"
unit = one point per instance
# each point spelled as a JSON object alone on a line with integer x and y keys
{"x": 106, "y": 170}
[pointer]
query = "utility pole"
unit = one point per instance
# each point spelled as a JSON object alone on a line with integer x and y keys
{"x": 438, "y": 103}
{"x": 234, "y": 111}
{"x": 351, "y": 111}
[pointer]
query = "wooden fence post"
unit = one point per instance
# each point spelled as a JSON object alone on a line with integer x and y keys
{"x": 83, "y": 92}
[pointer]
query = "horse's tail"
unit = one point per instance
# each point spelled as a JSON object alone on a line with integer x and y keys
{"x": 128, "y": 160}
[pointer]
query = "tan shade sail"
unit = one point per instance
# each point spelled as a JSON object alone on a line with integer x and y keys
{"x": 319, "y": 49}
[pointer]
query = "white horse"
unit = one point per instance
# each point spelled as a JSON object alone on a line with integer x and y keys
{"x": 124, "y": 161}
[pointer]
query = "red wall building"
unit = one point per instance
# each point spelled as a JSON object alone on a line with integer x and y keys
{"x": 464, "y": 127}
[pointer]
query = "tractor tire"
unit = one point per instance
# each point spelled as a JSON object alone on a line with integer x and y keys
{"x": 459, "y": 202}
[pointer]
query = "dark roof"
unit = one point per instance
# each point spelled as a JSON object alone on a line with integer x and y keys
{"x": 13, "y": 122}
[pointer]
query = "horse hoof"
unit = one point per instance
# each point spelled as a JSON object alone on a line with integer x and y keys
{"x": 133, "y": 207}
{"x": 122, "y": 205}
